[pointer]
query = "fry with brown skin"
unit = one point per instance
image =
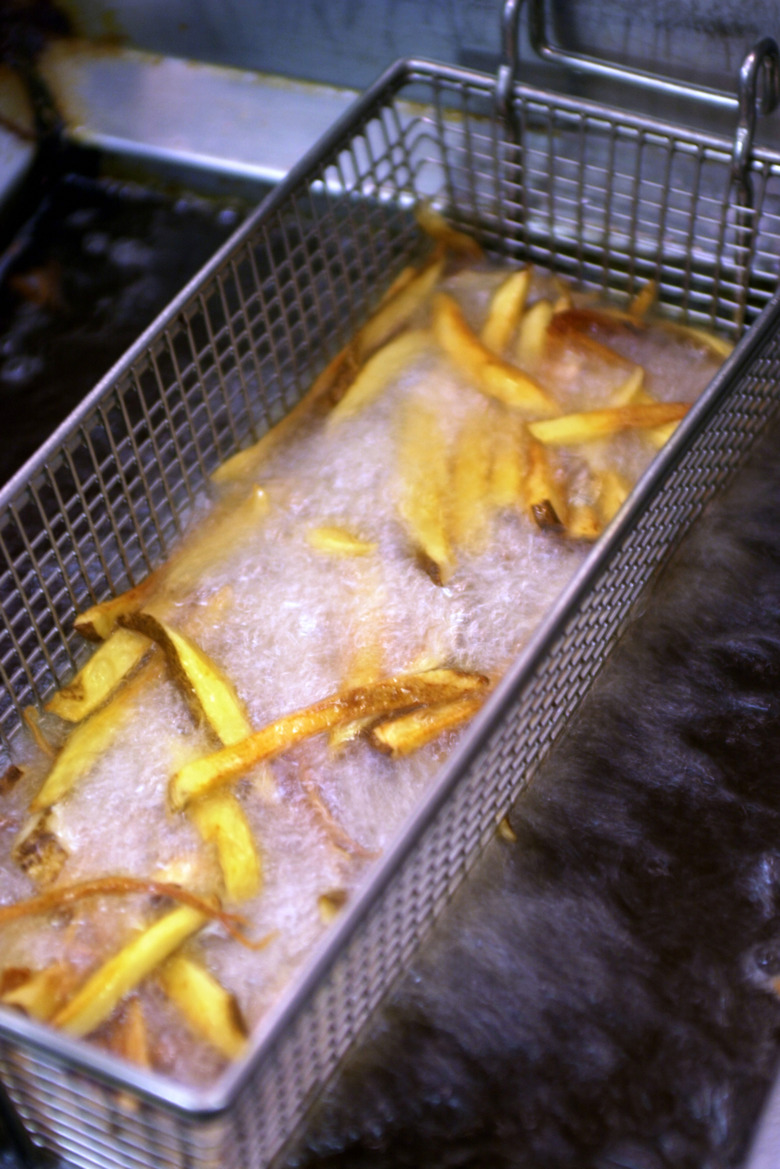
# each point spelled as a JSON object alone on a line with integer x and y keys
{"x": 488, "y": 372}
{"x": 409, "y": 732}
{"x": 403, "y": 691}
{"x": 211, "y": 1011}
{"x": 572, "y": 429}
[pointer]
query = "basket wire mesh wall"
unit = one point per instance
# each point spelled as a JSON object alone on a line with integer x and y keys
{"x": 607, "y": 200}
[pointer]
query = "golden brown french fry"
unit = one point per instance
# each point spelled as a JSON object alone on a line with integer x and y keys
{"x": 573, "y": 327}
{"x": 91, "y": 738}
{"x": 471, "y": 481}
{"x": 572, "y": 429}
{"x": 584, "y": 522}
{"x": 510, "y": 462}
{"x": 506, "y": 831}
{"x": 382, "y": 367}
{"x": 506, "y": 308}
{"x": 330, "y": 904}
{"x": 396, "y": 312}
{"x": 407, "y": 733}
{"x": 217, "y": 537}
{"x": 42, "y": 993}
{"x": 532, "y": 333}
{"x": 38, "y": 851}
{"x": 110, "y": 665}
{"x": 106, "y": 987}
{"x": 488, "y": 372}
{"x": 338, "y": 542}
{"x": 210, "y": 693}
{"x": 403, "y": 691}
{"x": 211, "y": 1011}
{"x": 544, "y": 499}
{"x": 643, "y": 301}
{"x": 435, "y": 225}
{"x": 220, "y": 819}
{"x": 423, "y": 460}
{"x": 130, "y": 1036}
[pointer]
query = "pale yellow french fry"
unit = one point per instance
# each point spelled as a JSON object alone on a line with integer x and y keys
{"x": 544, "y": 499}
{"x": 488, "y": 372}
{"x": 41, "y": 994}
{"x": 572, "y": 429}
{"x": 396, "y": 311}
{"x": 718, "y": 346}
{"x": 90, "y": 739}
{"x": 110, "y": 665}
{"x": 613, "y": 490}
{"x": 629, "y": 390}
{"x": 510, "y": 463}
{"x": 471, "y": 480}
{"x": 211, "y": 1011}
{"x": 404, "y": 691}
{"x": 435, "y": 225}
{"x": 532, "y": 333}
{"x": 337, "y": 541}
{"x": 584, "y": 522}
{"x": 409, "y": 732}
{"x": 218, "y": 536}
{"x": 384, "y": 366}
{"x": 423, "y": 460}
{"x": 506, "y": 308}
{"x": 107, "y": 986}
{"x": 221, "y": 821}
{"x": 209, "y": 691}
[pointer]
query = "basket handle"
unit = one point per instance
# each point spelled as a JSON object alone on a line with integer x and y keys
{"x": 758, "y": 89}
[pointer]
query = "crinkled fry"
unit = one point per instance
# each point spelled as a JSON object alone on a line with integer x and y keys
{"x": 396, "y": 311}
{"x": 382, "y": 367}
{"x": 423, "y": 462}
{"x": 506, "y": 309}
{"x": 110, "y": 665}
{"x": 435, "y": 225}
{"x": 221, "y": 820}
{"x": 211, "y": 1011}
{"x": 488, "y": 372}
{"x": 106, "y": 987}
{"x": 208, "y": 690}
{"x": 409, "y": 732}
{"x": 572, "y": 429}
{"x": 91, "y": 738}
{"x": 403, "y": 691}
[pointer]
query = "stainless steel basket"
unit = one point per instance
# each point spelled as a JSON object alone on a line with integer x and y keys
{"x": 606, "y": 198}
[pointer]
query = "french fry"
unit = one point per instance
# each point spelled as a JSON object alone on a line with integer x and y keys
{"x": 643, "y": 301}
{"x": 338, "y": 542}
{"x": 489, "y": 373}
{"x": 223, "y": 530}
{"x": 544, "y": 499}
{"x": 32, "y": 720}
{"x": 396, "y": 311}
{"x": 613, "y": 491}
{"x": 584, "y": 522}
{"x": 423, "y": 460}
{"x": 106, "y": 987}
{"x": 38, "y": 851}
{"x": 471, "y": 480}
{"x": 510, "y": 463}
{"x": 532, "y": 333}
{"x": 382, "y": 367}
{"x": 506, "y": 308}
{"x": 573, "y": 327}
{"x": 403, "y": 691}
{"x": 572, "y": 429}
{"x": 409, "y": 732}
{"x": 330, "y": 904}
{"x": 42, "y": 992}
{"x": 629, "y": 389}
{"x": 220, "y": 819}
{"x": 435, "y": 225}
{"x": 211, "y": 1011}
{"x": 130, "y": 1036}
{"x": 210, "y": 693}
{"x": 120, "y": 654}
{"x": 89, "y": 739}
{"x": 718, "y": 346}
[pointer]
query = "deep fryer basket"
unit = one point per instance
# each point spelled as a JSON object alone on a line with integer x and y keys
{"x": 607, "y": 199}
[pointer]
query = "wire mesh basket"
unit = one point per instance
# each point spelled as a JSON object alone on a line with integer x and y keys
{"x": 607, "y": 199}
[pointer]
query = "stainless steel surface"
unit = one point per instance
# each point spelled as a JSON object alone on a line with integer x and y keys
{"x": 570, "y": 184}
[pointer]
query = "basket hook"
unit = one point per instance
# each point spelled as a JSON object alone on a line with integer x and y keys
{"x": 758, "y": 93}
{"x": 507, "y": 71}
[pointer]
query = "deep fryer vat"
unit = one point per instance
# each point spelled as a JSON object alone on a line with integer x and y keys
{"x": 570, "y": 185}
